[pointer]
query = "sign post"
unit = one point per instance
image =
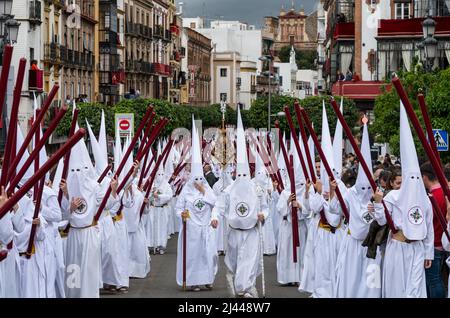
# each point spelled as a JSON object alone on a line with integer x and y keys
{"x": 441, "y": 138}
{"x": 124, "y": 124}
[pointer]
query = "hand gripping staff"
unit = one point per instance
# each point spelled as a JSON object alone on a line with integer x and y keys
{"x": 11, "y": 139}
{"x": 32, "y": 131}
{"x": 9, "y": 204}
{"x": 324, "y": 160}
{"x": 122, "y": 163}
{"x": 37, "y": 147}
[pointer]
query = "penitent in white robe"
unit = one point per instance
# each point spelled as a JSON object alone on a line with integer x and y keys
{"x": 268, "y": 232}
{"x": 54, "y": 265}
{"x": 139, "y": 259}
{"x": 243, "y": 242}
{"x": 356, "y": 275}
{"x": 6, "y": 236}
{"x": 83, "y": 254}
{"x": 32, "y": 270}
{"x": 159, "y": 216}
{"x": 201, "y": 248}
{"x": 325, "y": 248}
{"x": 403, "y": 267}
{"x": 287, "y": 270}
{"x": 14, "y": 223}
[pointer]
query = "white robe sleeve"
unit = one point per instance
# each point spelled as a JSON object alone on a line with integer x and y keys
{"x": 282, "y": 205}
{"x": 50, "y": 210}
{"x": 220, "y": 207}
{"x": 40, "y": 231}
{"x": 445, "y": 241}
{"x": 379, "y": 215}
{"x": 165, "y": 196}
{"x": 316, "y": 202}
{"x": 6, "y": 229}
{"x": 18, "y": 220}
{"x": 65, "y": 208}
{"x": 335, "y": 206}
{"x": 210, "y": 197}
{"x": 264, "y": 206}
{"x": 181, "y": 204}
{"x": 428, "y": 242}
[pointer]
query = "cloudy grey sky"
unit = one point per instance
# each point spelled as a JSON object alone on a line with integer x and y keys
{"x": 250, "y": 11}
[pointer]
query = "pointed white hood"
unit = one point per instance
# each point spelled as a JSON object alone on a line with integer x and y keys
{"x": 242, "y": 168}
{"x": 100, "y": 158}
{"x": 196, "y": 159}
{"x": 327, "y": 149}
{"x": 411, "y": 199}
{"x": 338, "y": 144}
{"x": 362, "y": 186}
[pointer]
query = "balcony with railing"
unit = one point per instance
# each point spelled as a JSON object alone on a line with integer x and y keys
{"x": 345, "y": 11}
{"x": 167, "y": 35}
{"x": 52, "y": 53}
{"x": 438, "y": 8}
{"x": 34, "y": 15}
{"x": 158, "y": 31}
{"x": 36, "y": 80}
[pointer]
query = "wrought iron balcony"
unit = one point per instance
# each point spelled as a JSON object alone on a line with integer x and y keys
{"x": 35, "y": 12}
{"x": 52, "y": 53}
{"x": 158, "y": 32}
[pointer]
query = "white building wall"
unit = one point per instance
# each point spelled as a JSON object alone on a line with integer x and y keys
{"x": 223, "y": 84}
{"x": 199, "y": 24}
{"x": 309, "y": 76}
{"x": 29, "y": 37}
{"x": 284, "y": 70}
{"x": 370, "y": 18}
{"x": 247, "y": 43}
{"x": 247, "y": 71}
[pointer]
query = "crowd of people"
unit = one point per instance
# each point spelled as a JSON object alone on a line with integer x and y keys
{"x": 333, "y": 236}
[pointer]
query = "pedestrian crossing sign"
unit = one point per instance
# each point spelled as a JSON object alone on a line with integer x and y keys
{"x": 441, "y": 138}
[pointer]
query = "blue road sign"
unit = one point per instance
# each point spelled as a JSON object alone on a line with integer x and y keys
{"x": 441, "y": 138}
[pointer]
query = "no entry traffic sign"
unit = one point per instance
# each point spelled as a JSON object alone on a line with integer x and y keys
{"x": 125, "y": 124}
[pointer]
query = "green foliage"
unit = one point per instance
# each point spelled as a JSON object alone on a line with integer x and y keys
{"x": 305, "y": 58}
{"x": 436, "y": 88}
{"x": 257, "y": 115}
{"x": 181, "y": 116}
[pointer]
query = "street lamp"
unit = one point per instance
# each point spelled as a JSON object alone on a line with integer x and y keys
{"x": 429, "y": 45}
{"x": 268, "y": 58}
{"x": 12, "y": 30}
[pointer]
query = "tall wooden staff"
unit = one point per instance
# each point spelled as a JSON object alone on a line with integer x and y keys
{"x": 6, "y": 66}
{"x": 11, "y": 139}
{"x": 122, "y": 163}
{"x": 324, "y": 160}
{"x": 9, "y": 204}
{"x": 294, "y": 211}
{"x": 428, "y": 127}
{"x": 423, "y": 139}
{"x": 37, "y": 148}
{"x": 32, "y": 131}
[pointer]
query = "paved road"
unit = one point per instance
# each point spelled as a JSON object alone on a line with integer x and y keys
{"x": 161, "y": 281}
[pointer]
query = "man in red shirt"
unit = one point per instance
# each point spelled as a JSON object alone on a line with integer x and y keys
{"x": 435, "y": 283}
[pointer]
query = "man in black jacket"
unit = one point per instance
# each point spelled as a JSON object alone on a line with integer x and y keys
{"x": 209, "y": 175}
